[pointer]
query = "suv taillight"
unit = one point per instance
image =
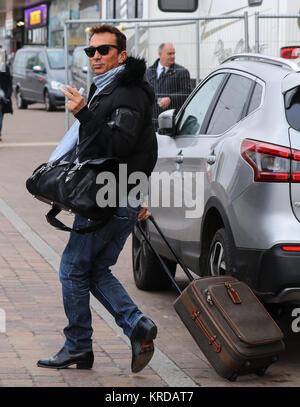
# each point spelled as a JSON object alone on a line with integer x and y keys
{"x": 270, "y": 162}
{"x": 290, "y": 52}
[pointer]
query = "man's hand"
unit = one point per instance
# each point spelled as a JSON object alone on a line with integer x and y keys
{"x": 144, "y": 213}
{"x": 164, "y": 102}
{"x": 76, "y": 101}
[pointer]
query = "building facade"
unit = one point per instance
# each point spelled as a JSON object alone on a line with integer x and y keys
{"x": 33, "y": 22}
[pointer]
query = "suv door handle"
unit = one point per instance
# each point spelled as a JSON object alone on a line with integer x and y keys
{"x": 211, "y": 159}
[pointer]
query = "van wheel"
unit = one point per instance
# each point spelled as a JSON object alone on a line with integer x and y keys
{"x": 147, "y": 270}
{"x": 220, "y": 254}
{"x": 49, "y": 106}
{"x": 21, "y": 103}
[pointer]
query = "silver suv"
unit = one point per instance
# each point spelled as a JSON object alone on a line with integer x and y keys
{"x": 238, "y": 138}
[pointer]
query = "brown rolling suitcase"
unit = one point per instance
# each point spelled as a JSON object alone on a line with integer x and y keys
{"x": 230, "y": 325}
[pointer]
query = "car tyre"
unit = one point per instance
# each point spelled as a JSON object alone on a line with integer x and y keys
{"x": 49, "y": 106}
{"x": 21, "y": 103}
{"x": 147, "y": 270}
{"x": 220, "y": 254}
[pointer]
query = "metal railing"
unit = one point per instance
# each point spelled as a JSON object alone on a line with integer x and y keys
{"x": 138, "y": 25}
{"x": 258, "y": 17}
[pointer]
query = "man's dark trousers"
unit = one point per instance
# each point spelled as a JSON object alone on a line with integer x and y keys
{"x": 85, "y": 267}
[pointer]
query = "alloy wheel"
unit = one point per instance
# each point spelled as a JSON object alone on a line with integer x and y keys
{"x": 217, "y": 260}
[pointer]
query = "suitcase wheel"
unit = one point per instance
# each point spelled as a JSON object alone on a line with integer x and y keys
{"x": 261, "y": 371}
{"x": 233, "y": 377}
{"x": 247, "y": 364}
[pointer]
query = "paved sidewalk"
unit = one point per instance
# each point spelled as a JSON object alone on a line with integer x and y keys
{"x": 30, "y": 296}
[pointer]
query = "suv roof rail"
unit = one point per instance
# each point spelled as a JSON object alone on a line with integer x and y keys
{"x": 267, "y": 59}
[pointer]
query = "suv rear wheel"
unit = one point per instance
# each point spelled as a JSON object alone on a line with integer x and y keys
{"x": 147, "y": 270}
{"x": 220, "y": 254}
{"x": 21, "y": 103}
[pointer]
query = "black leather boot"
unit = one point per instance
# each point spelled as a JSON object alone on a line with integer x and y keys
{"x": 142, "y": 343}
{"x": 65, "y": 358}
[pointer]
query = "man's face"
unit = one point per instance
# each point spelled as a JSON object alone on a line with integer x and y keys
{"x": 103, "y": 63}
{"x": 167, "y": 55}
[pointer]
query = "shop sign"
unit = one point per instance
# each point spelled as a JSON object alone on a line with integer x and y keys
{"x": 36, "y": 17}
{"x": 9, "y": 21}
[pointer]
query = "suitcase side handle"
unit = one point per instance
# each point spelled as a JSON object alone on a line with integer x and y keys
{"x": 212, "y": 339}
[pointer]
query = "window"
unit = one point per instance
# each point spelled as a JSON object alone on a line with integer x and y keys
{"x": 254, "y": 3}
{"x": 192, "y": 118}
{"x": 41, "y": 61}
{"x": 292, "y": 107}
{"x": 187, "y": 6}
{"x": 20, "y": 62}
{"x": 56, "y": 58}
{"x": 256, "y": 98}
{"x": 31, "y": 60}
{"x": 134, "y": 8}
{"x": 80, "y": 60}
{"x": 113, "y": 9}
{"x": 231, "y": 104}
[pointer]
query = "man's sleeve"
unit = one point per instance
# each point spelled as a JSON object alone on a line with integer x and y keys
{"x": 115, "y": 136}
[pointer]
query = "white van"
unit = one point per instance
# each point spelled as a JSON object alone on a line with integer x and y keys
{"x": 219, "y": 38}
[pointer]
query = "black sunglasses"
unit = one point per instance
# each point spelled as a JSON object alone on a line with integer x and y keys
{"x": 102, "y": 49}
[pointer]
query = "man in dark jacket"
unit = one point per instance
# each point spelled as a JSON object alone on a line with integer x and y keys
{"x": 118, "y": 115}
{"x": 5, "y": 95}
{"x": 171, "y": 82}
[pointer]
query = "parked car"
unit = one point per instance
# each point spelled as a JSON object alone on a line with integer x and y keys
{"x": 38, "y": 75}
{"x": 80, "y": 69}
{"x": 240, "y": 130}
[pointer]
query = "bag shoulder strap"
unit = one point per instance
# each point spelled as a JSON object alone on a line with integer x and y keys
{"x": 51, "y": 218}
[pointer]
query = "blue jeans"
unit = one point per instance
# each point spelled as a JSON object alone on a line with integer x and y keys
{"x": 84, "y": 268}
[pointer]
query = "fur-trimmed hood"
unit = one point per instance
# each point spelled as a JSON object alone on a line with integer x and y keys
{"x": 134, "y": 75}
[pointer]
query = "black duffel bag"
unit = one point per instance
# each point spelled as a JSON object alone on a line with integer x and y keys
{"x": 71, "y": 186}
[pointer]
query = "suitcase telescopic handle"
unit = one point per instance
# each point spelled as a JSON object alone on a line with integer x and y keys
{"x": 159, "y": 259}
{"x": 190, "y": 277}
{"x": 179, "y": 261}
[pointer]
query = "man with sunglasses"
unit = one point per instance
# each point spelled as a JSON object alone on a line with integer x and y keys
{"x": 118, "y": 117}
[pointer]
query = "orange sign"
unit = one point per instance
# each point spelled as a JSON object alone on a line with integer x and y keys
{"x": 35, "y": 17}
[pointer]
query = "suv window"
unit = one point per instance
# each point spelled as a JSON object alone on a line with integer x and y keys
{"x": 231, "y": 104}
{"x": 31, "y": 60}
{"x": 292, "y": 107}
{"x": 194, "y": 113}
{"x": 256, "y": 98}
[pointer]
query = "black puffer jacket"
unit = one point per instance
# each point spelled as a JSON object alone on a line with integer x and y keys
{"x": 130, "y": 135}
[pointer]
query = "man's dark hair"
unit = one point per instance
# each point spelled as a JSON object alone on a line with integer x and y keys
{"x": 107, "y": 28}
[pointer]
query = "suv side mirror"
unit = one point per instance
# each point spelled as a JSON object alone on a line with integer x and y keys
{"x": 38, "y": 69}
{"x": 166, "y": 123}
